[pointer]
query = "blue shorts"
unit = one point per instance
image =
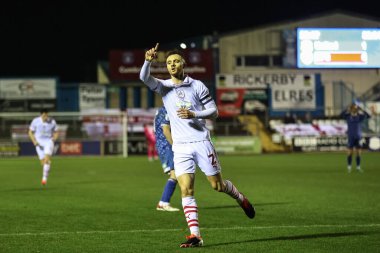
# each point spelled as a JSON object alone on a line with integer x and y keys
{"x": 354, "y": 142}
{"x": 166, "y": 158}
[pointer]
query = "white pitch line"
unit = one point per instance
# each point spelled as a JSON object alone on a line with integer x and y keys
{"x": 177, "y": 229}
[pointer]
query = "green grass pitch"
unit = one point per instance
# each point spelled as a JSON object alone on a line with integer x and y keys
{"x": 304, "y": 203}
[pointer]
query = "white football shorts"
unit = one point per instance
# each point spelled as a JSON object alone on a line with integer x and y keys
{"x": 188, "y": 155}
{"x": 46, "y": 147}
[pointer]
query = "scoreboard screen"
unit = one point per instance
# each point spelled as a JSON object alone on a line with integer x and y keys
{"x": 338, "y": 47}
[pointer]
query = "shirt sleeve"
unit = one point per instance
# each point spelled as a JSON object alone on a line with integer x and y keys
{"x": 344, "y": 114}
{"x": 33, "y": 126}
{"x": 367, "y": 115}
{"x": 145, "y": 76}
{"x": 204, "y": 95}
{"x": 364, "y": 115}
{"x": 55, "y": 126}
{"x": 210, "y": 109}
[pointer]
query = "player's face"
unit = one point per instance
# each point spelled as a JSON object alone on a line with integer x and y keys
{"x": 174, "y": 64}
{"x": 354, "y": 109}
{"x": 44, "y": 116}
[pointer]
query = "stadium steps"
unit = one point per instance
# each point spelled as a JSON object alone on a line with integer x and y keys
{"x": 256, "y": 127}
{"x": 372, "y": 94}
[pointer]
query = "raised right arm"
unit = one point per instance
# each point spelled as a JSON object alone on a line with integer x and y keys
{"x": 145, "y": 76}
{"x": 345, "y": 113}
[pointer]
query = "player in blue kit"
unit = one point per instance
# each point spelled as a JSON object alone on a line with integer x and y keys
{"x": 164, "y": 143}
{"x": 188, "y": 103}
{"x": 354, "y": 115}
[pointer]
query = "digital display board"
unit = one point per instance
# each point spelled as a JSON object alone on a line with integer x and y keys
{"x": 338, "y": 47}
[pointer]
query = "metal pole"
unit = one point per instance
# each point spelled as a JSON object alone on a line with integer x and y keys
{"x": 125, "y": 135}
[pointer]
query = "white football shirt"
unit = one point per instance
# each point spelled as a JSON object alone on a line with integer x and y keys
{"x": 191, "y": 94}
{"x": 43, "y": 130}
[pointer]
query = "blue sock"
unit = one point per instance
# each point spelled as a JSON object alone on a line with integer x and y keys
{"x": 357, "y": 161}
{"x": 168, "y": 190}
{"x": 349, "y": 160}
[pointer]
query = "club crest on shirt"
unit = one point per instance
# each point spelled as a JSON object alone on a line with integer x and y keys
{"x": 180, "y": 93}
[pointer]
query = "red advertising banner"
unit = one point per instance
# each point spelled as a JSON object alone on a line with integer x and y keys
{"x": 71, "y": 148}
{"x": 229, "y": 101}
{"x": 235, "y": 101}
{"x": 125, "y": 65}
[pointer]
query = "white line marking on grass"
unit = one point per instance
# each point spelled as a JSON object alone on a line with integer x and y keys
{"x": 174, "y": 229}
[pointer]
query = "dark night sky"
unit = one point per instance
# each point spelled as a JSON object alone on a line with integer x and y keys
{"x": 65, "y": 39}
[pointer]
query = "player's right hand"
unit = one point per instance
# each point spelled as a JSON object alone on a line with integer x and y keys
{"x": 38, "y": 145}
{"x": 185, "y": 113}
{"x": 151, "y": 53}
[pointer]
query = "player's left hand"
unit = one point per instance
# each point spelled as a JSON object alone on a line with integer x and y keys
{"x": 185, "y": 113}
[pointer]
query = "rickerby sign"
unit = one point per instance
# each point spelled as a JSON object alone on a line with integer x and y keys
{"x": 253, "y": 80}
{"x": 297, "y": 92}
{"x": 28, "y": 88}
{"x": 288, "y": 90}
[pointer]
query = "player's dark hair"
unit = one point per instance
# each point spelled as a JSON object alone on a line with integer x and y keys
{"x": 44, "y": 110}
{"x": 176, "y": 51}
